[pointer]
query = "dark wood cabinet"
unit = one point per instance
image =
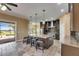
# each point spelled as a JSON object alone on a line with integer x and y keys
{"x": 41, "y": 24}
{"x": 56, "y": 24}
{"x": 46, "y": 27}
{"x": 75, "y": 17}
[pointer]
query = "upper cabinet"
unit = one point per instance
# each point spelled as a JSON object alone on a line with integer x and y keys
{"x": 46, "y": 26}
{"x": 75, "y": 17}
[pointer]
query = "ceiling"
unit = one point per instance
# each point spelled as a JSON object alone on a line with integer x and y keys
{"x": 25, "y": 10}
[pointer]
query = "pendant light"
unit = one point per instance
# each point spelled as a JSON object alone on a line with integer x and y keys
{"x": 36, "y": 23}
{"x": 43, "y": 16}
{"x": 30, "y": 24}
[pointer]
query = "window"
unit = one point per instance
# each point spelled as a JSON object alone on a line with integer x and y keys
{"x": 34, "y": 29}
{"x": 7, "y": 30}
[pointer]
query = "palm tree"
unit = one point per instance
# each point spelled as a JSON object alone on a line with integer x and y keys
{"x": 11, "y": 27}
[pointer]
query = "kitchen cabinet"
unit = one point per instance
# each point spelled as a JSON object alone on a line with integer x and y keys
{"x": 75, "y": 17}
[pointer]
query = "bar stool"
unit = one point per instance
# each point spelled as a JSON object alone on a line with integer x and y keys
{"x": 40, "y": 45}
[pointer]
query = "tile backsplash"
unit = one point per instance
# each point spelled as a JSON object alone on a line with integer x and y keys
{"x": 75, "y": 35}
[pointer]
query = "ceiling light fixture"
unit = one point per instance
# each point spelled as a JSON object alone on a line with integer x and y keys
{"x": 36, "y": 17}
{"x": 3, "y": 8}
{"x": 62, "y": 10}
{"x": 43, "y": 16}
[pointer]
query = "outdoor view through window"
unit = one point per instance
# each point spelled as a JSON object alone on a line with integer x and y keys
{"x": 7, "y": 30}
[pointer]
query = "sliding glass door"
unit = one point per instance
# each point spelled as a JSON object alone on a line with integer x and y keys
{"x": 7, "y": 30}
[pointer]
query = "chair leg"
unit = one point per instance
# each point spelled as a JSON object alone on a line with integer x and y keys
{"x": 36, "y": 47}
{"x": 31, "y": 44}
{"x": 43, "y": 50}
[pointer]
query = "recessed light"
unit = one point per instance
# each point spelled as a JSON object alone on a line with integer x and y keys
{"x": 62, "y": 10}
{"x": 30, "y": 16}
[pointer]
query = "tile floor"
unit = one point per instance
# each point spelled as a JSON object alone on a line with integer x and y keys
{"x": 10, "y": 49}
{"x": 20, "y": 49}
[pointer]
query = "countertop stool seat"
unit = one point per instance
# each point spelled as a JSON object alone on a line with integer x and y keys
{"x": 40, "y": 45}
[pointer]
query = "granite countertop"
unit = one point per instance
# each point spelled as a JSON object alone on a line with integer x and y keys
{"x": 71, "y": 42}
{"x": 41, "y": 36}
